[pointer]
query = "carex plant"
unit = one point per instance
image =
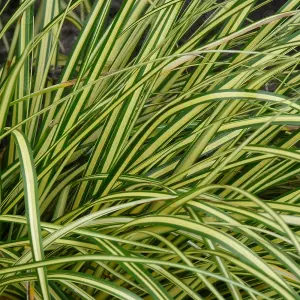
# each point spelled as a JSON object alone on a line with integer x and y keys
{"x": 158, "y": 158}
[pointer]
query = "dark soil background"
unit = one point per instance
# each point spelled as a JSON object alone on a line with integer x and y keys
{"x": 70, "y": 33}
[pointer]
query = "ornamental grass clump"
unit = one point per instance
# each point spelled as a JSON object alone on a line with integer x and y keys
{"x": 151, "y": 154}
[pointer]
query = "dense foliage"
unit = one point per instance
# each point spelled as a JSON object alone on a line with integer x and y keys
{"x": 157, "y": 159}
